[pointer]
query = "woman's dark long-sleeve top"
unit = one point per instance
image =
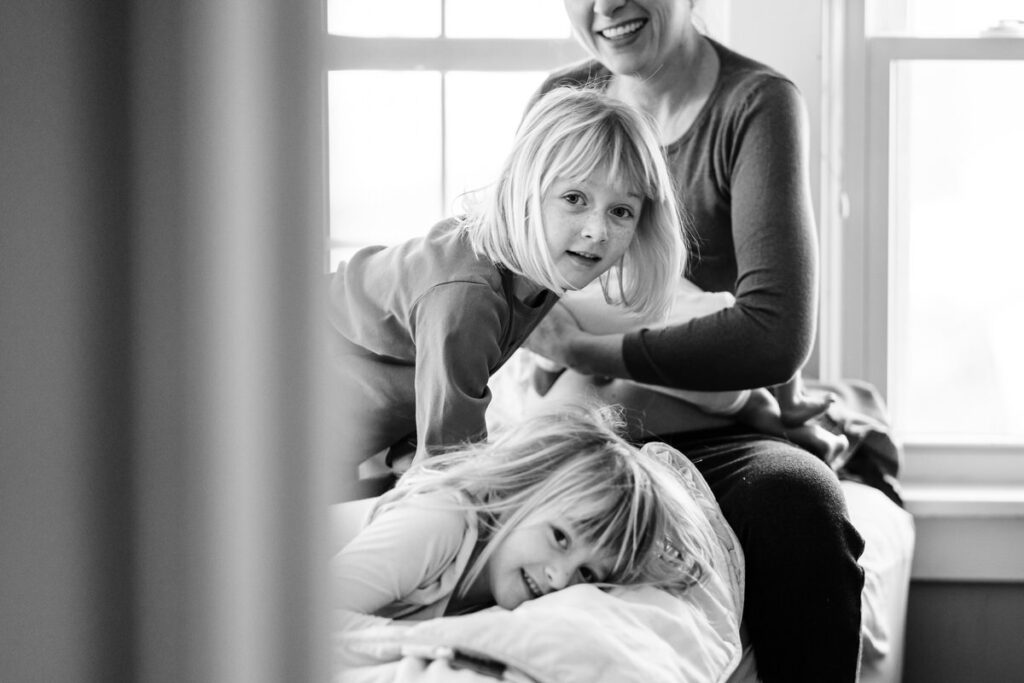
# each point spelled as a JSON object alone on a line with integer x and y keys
{"x": 741, "y": 171}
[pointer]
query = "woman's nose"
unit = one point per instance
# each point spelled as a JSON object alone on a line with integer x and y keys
{"x": 608, "y": 7}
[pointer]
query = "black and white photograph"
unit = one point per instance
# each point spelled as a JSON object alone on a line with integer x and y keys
{"x": 579, "y": 341}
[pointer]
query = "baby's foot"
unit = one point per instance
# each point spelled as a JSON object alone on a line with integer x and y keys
{"x": 543, "y": 379}
{"x": 830, "y": 447}
{"x": 807, "y": 409}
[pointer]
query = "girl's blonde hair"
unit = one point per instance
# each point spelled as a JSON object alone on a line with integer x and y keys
{"x": 571, "y": 133}
{"x": 631, "y": 503}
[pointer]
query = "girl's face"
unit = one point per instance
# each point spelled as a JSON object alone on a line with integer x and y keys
{"x": 589, "y": 224}
{"x": 631, "y": 37}
{"x": 542, "y": 554}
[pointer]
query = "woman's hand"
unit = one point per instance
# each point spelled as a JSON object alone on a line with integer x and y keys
{"x": 552, "y": 338}
{"x": 560, "y": 338}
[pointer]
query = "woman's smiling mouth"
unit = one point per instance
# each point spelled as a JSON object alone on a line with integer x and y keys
{"x": 622, "y": 30}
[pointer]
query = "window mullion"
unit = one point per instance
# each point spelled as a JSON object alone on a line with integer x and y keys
{"x": 448, "y": 54}
{"x": 444, "y": 142}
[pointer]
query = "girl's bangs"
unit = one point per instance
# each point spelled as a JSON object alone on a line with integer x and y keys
{"x": 598, "y": 147}
{"x": 609, "y": 521}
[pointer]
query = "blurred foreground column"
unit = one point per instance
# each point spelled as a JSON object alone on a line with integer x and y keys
{"x": 226, "y": 140}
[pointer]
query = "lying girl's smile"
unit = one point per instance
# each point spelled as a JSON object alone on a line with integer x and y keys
{"x": 541, "y": 555}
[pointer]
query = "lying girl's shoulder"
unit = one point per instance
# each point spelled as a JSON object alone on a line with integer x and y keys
{"x": 446, "y": 503}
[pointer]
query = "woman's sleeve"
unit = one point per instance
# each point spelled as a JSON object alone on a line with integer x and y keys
{"x": 767, "y": 335}
{"x": 403, "y": 549}
{"x": 457, "y": 328}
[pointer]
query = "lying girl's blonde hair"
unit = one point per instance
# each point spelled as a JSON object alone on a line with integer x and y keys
{"x": 571, "y": 133}
{"x": 629, "y": 502}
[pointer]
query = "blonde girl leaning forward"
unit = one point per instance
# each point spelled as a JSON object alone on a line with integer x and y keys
{"x": 419, "y": 328}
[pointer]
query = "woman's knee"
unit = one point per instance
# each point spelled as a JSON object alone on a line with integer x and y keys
{"x": 788, "y": 496}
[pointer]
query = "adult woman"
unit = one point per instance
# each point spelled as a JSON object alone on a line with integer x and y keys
{"x": 735, "y": 135}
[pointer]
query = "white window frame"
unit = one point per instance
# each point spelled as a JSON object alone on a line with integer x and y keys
{"x": 441, "y": 54}
{"x": 859, "y": 225}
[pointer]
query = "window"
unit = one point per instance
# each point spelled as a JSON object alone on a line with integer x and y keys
{"x": 933, "y": 227}
{"x": 423, "y": 101}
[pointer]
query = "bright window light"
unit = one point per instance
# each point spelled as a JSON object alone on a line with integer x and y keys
{"x": 384, "y": 18}
{"x": 504, "y": 19}
{"x": 385, "y": 155}
{"x": 957, "y": 321}
{"x": 941, "y": 17}
{"x": 483, "y": 111}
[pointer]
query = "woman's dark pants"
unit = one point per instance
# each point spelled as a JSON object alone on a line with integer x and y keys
{"x": 802, "y": 607}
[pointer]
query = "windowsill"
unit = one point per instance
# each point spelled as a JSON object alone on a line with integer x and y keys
{"x": 967, "y": 533}
{"x": 965, "y": 500}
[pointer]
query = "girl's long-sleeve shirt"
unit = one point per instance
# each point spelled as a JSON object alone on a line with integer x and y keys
{"x": 742, "y": 177}
{"x": 407, "y": 560}
{"x": 419, "y": 328}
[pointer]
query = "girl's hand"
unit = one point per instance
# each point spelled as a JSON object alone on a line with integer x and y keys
{"x": 553, "y": 336}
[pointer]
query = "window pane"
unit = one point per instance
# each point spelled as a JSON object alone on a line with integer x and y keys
{"x": 385, "y": 155}
{"x": 380, "y": 19}
{"x": 483, "y": 111}
{"x": 958, "y": 311}
{"x": 942, "y": 17}
{"x": 504, "y": 19}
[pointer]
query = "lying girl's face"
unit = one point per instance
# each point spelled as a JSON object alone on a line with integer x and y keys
{"x": 589, "y": 224}
{"x": 543, "y": 554}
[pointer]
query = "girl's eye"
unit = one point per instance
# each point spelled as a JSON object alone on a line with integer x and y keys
{"x": 573, "y": 198}
{"x": 588, "y": 575}
{"x": 622, "y": 212}
{"x": 561, "y": 538}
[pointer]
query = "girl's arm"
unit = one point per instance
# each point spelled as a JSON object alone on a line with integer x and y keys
{"x": 458, "y": 328}
{"x": 766, "y": 336}
{"x": 402, "y": 554}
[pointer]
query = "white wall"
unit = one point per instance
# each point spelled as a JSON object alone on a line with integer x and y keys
{"x": 786, "y": 35}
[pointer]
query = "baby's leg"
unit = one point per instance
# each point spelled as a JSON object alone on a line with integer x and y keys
{"x": 763, "y": 413}
{"x": 795, "y": 406}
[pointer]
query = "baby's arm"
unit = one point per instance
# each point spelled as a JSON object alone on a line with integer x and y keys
{"x": 763, "y": 413}
{"x": 403, "y": 549}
